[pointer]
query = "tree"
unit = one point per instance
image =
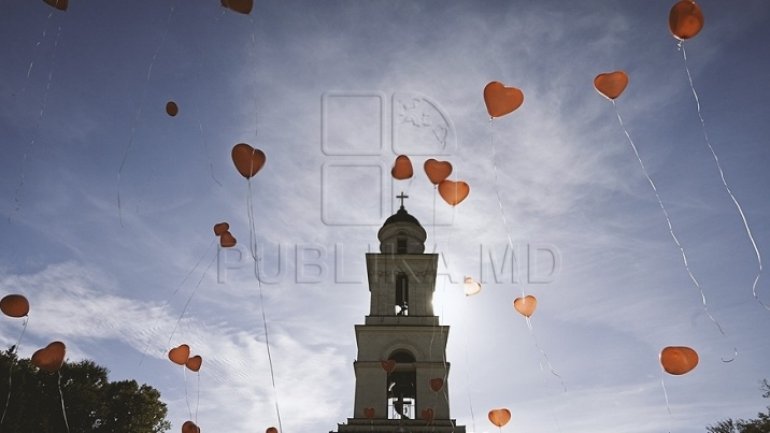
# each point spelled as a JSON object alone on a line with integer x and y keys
{"x": 758, "y": 425}
{"x": 93, "y": 403}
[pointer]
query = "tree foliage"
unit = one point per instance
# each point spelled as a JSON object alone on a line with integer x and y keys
{"x": 93, "y": 403}
{"x": 761, "y": 424}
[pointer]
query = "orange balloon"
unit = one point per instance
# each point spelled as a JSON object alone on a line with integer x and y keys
{"x": 526, "y": 305}
{"x": 437, "y": 170}
{"x": 502, "y": 100}
{"x": 50, "y": 358}
{"x": 499, "y": 417}
{"x": 190, "y": 427}
{"x": 194, "y": 363}
{"x": 611, "y": 84}
{"x": 171, "y": 108}
{"x": 678, "y": 360}
{"x": 402, "y": 168}
{"x": 248, "y": 161}
{"x": 271, "y": 430}
{"x": 242, "y": 6}
{"x": 369, "y": 412}
{"x": 436, "y": 384}
{"x": 14, "y": 306}
{"x": 180, "y": 354}
{"x": 388, "y": 365}
{"x": 427, "y": 415}
{"x": 227, "y": 240}
{"x": 58, "y": 4}
{"x": 221, "y": 228}
{"x": 685, "y": 19}
{"x": 453, "y": 192}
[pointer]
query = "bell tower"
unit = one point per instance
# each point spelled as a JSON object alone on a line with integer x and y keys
{"x": 401, "y": 368}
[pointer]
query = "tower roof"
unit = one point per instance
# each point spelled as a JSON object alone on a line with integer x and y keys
{"x": 402, "y": 216}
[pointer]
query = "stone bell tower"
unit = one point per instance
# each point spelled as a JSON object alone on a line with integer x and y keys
{"x": 401, "y": 368}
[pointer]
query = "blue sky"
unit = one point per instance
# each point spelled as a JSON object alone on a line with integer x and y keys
{"x": 331, "y": 92}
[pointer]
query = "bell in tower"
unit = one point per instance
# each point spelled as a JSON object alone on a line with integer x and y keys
{"x": 401, "y": 345}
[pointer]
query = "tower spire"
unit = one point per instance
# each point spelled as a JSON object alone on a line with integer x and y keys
{"x": 402, "y": 196}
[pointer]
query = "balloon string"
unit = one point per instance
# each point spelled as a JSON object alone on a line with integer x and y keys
{"x": 198, "y": 399}
{"x": 187, "y": 303}
{"x": 63, "y": 409}
{"x": 665, "y": 393}
{"x": 497, "y": 190}
{"x": 255, "y": 255}
{"x": 168, "y": 300}
{"x": 469, "y": 382}
{"x": 186, "y": 395}
{"x": 724, "y": 183}
{"x": 39, "y": 121}
{"x": 138, "y": 114}
{"x": 13, "y": 350}
{"x": 668, "y": 221}
{"x": 544, "y": 355}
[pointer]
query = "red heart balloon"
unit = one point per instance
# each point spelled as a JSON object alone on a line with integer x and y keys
{"x": 453, "y": 192}
{"x": 171, "y": 108}
{"x": 14, "y": 306}
{"x": 180, "y": 354}
{"x": 526, "y": 305}
{"x": 437, "y": 170}
{"x": 241, "y": 6}
{"x": 221, "y": 228}
{"x": 501, "y": 100}
{"x": 685, "y": 19}
{"x": 388, "y": 365}
{"x": 499, "y": 417}
{"x": 248, "y": 161}
{"x": 194, "y": 363}
{"x": 427, "y": 415}
{"x": 402, "y": 168}
{"x": 58, "y": 4}
{"x": 50, "y": 358}
{"x": 227, "y": 240}
{"x": 678, "y": 360}
{"x": 190, "y": 427}
{"x": 436, "y": 384}
{"x": 611, "y": 84}
{"x": 271, "y": 430}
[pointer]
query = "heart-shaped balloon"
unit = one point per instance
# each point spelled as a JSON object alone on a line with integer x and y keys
{"x": 190, "y": 427}
{"x": 248, "y": 161}
{"x": 51, "y": 357}
{"x": 271, "y": 430}
{"x": 402, "y": 168}
{"x": 678, "y": 360}
{"x": 499, "y": 417}
{"x": 180, "y": 354}
{"x": 427, "y": 415}
{"x": 472, "y": 287}
{"x": 14, "y": 305}
{"x": 388, "y": 365}
{"x": 194, "y": 363}
{"x": 227, "y": 240}
{"x": 502, "y": 100}
{"x": 685, "y": 19}
{"x": 369, "y": 412}
{"x": 453, "y": 192}
{"x": 526, "y": 305}
{"x": 58, "y": 4}
{"x": 611, "y": 84}
{"x": 437, "y": 170}
{"x": 221, "y": 228}
{"x": 436, "y": 384}
{"x": 241, "y": 6}
{"x": 171, "y": 108}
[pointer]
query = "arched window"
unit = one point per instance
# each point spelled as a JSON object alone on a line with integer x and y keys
{"x": 402, "y": 389}
{"x": 402, "y": 294}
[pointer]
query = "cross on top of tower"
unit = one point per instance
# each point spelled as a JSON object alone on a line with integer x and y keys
{"x": 402, "y": 196}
